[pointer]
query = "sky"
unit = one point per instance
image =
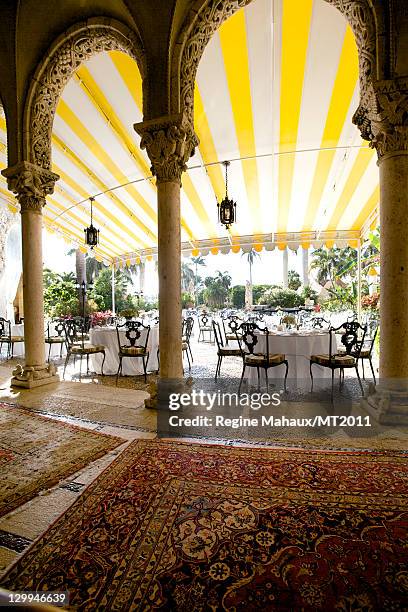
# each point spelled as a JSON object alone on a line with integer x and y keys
{"x": 267, "y": 269}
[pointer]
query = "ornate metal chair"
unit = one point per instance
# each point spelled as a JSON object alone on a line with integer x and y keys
{"x": 7, "y": 338}
{"x": 187, "y": 330}
{"x": 78, "y": 345}
{"x": 366, "y": 352}
{"x": 230, "y": 325}
{"x": 57, "y": 337}
{"x": 204, "y": 325}
{"x": 346, "y": 358}
{"x": 250, "y": 334}
{"x": 223, "y": 351}
{"x": 320, "y": 323}
{"x": 133, "y": 333}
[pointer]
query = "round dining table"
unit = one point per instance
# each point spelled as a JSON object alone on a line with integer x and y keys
{"x": 131, "y": 366}
{"x": 297, "y": 346}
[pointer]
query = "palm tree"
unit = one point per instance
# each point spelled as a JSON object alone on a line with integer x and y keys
{"x": 197, "y": 261}
{"x": 217, "y": 288}
{"x": 93, "y": 267}
{"x": 187, "y": 277}
{"x": 251, "y": 255}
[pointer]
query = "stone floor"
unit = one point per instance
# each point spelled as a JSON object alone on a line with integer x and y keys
{"x": 96, "y": 403}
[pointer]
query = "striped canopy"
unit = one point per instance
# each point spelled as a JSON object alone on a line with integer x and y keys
{"x": 275, "y": 93}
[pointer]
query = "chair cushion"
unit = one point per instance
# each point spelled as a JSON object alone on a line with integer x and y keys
{"x": 365, "y": 352}
{"x": 133, "y": 350}
{"x": 55, "y": 340}
{"x": 260, "y": 359}
{"x": 206, "y": 328}
{"x": 87, "y": 349}
{"x": 229, "y": 352}
{"x": 338, "y": 360}
{"x": 184, "y": 346}
{"x": 12, "y": 339}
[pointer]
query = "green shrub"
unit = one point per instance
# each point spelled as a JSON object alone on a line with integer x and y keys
{"x": 282, "y": 298}
{"x": 308, "y": 293}
{"x": 238, "y": 296}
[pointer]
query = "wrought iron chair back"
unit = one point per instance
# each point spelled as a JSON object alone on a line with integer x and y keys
{"x": 58, "y": 329}
{"x": 187, "y": 328}
{"x": 5, "y": 328}
{"x": 133, "y": 332}
{"x": 218, "y": 335}
{"x": 248, "y": 341}
{"x": 371, "y": 335}
{"x": 75, "y": 332}
{"x": 349, "y": 338}
{"x": 320, "y": 323}
{"x": 230, "y": 324}
{"x": 204, "y": 320}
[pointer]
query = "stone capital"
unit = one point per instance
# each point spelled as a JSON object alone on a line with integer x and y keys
{"x": 31, "y": 184}
{"x": 384, "y": 121}
{"x": 169, "y": 142}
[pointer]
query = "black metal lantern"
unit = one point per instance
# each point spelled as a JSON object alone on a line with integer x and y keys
{"x": 91, "y": 233}
{"x": 227, "y": 209}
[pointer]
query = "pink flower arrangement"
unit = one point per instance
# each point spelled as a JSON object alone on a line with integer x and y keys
{"x": 100, "y": 318}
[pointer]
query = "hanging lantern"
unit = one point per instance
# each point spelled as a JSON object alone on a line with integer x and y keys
{"x": 91, "y": 233}
{"x": 227, "y": 212}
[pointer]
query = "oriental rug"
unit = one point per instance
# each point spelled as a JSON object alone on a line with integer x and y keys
{"x": 175, "y": 526}
{"x": 37, "y": 452}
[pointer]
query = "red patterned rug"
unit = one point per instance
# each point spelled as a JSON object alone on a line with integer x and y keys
{"x": 187, "y": 527}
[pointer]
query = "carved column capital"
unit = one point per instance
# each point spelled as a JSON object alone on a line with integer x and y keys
{"x": 384, "y": 122}
{"x": 31, "y": 185}
{"x": 169, "y": 143}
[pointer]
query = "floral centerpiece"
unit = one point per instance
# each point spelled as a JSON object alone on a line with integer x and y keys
{"x": 101, "y": 318}
{"x": 288, "y": 319}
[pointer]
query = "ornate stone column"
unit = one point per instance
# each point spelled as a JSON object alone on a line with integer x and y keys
{"x": 169, "y": 142}
{"x": 31, "y": 184}
{"x": 388, "y": 127}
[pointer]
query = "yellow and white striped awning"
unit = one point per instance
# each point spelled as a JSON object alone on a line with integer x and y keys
{"x": 275, "y": 93}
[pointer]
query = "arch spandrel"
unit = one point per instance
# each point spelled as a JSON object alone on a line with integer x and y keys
{"x": 71, "y": 49}
{"x": 367, "y": 21}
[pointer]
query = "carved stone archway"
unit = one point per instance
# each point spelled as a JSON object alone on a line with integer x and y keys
{"x": 72, "y": 48}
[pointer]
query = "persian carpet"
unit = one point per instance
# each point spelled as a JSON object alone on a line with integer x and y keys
{"x": 173, "y": 526}
{"x": 37, "y": 452}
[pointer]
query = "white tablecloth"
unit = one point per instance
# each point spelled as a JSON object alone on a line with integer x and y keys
{"x": 131, "y": 366}
{"x": 297, "y": 347}
{"x": 18, "y": 330}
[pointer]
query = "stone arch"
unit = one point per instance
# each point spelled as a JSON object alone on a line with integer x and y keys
{"x": 207, "y": 16}
{"x": 73, "y": 47}
{"x": 203, "y": 20}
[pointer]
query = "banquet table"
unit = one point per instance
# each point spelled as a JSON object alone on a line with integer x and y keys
{"x": 131, "y": 366}
{"x": 18, "y": 330}
{"x": 297, "y": 346}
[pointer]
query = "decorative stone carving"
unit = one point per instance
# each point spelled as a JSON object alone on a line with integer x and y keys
{"x": 389, "y": 121}
{"x": 169, "y": 142}
{"x": 31, "y": 184}
{"x": 61, "y": 62}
